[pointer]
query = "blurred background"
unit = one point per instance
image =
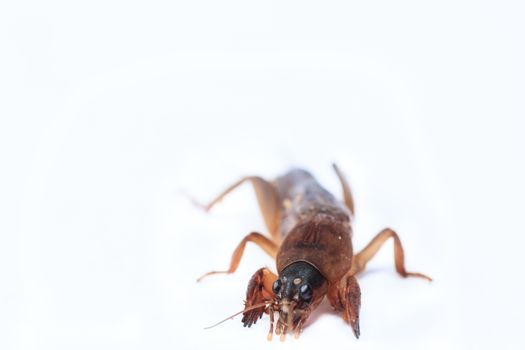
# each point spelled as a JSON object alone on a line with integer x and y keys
{"x": 110, "y": 110}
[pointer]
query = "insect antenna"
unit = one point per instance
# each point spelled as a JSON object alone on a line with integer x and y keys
{"x": 240, "y": 312}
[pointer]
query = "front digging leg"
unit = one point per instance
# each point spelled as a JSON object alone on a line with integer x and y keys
{"x": 259, "y": 292}
{"x": 345, "y": 297}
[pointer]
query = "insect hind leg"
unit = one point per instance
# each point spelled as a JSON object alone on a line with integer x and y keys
{"x": 347, "y": 195}
{"x": 267, "y": 198}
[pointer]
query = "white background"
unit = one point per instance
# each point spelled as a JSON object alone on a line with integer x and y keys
{"x": 110, "y": 109}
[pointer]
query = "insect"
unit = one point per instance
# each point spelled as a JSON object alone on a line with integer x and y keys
{"x": 310, "y": 238}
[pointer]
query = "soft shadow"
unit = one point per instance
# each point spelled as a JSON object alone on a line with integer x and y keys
{"x": 323, "y": 309}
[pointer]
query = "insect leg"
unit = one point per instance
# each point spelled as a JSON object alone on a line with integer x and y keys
{"x": 259, "y": 291}
{"x": 347, "y": 195}
{"x": 267, "y": 198}
{"x": 264, "y": 242}
{"x": 365, "y": 255}
{"x": 345, "y": 297}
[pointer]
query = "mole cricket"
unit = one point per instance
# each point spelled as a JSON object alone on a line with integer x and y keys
{"x": 310, "y": 238}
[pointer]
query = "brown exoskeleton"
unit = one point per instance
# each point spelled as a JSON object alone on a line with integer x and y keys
{"x": 310, "y": 238}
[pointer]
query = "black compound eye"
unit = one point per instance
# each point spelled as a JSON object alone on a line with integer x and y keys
{"x": 305, "y": 292}
{"x": 276, "y": 286}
